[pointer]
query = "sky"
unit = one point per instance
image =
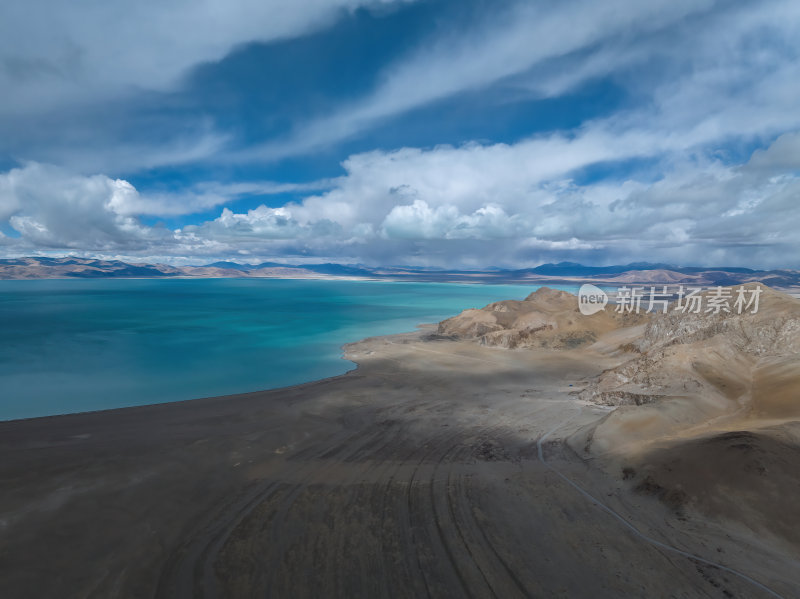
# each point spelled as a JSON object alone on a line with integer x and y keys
{"x": 439, "y": 133}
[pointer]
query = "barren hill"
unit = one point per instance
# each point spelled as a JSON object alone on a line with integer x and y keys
{"x": 41, "y": 267}
{"x": 546, "y": 318}
{"x": 709, "y": 416}
{"x": 714, "y": 355}
{"x": 704, "y": 406}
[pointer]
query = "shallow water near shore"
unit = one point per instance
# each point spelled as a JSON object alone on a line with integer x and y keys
{"x": 80, "y": 345}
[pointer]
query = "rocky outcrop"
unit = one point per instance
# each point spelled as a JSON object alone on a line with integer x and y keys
{"x": 774, "y": 329}
{"x": 713, "y": 354}
{"x": 546, "y": 318}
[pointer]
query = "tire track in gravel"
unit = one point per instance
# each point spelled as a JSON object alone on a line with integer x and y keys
{"x": 462, "y": 508}
{"x": 633, "y": 529}
{"x": 471, "y": 584}
{"x": 280, "y": 519}
{"x": 189, "y": 573}
{"x": 400, "y": 515}
{"x": 414, "y": 529}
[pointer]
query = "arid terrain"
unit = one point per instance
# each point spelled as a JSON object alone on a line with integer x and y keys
{"x": 604, "y": 456}
{"x": 564, "y": 273}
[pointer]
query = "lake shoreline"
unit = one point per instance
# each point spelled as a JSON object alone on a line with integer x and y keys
{"x": 87, "y": 345}
{"x": 411, "y": 474}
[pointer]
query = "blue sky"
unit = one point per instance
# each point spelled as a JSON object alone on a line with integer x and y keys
{"x": 462, "y": 134}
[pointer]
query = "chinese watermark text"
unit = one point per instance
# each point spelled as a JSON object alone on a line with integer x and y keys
{"x": 663, "y": 298}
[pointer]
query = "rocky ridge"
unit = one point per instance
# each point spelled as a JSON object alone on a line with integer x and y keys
{"x": 546, "y": 318}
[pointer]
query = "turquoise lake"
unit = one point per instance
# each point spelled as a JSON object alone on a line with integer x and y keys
{"x": 80, "y": 345}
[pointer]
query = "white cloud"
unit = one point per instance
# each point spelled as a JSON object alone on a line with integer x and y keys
{"x": 702, "y": 72}
{"x": 260, "y": 223}
{"x": 523, "y": 195}
{"x": 727, "y": 78}
{"x": 783, "y": 155}
{"x": 210, "y": 194}
{"x": 55, "y": 53}
{"x": 510, "y": 42}
{"x": 52, "y": 208}
{"x": 89, "y": 85}
{"x": 470, "y": 177}
{"x": 474, "y": 205}
{"x": 420, "y": 221}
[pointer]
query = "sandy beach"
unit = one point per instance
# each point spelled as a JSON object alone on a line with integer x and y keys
{"x": 437, "y": 468}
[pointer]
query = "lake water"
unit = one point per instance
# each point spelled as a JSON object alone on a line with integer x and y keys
{"x": 81, "y": 345}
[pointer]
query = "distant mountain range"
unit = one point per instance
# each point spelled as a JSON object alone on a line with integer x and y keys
{"x": 563, "y": 272}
